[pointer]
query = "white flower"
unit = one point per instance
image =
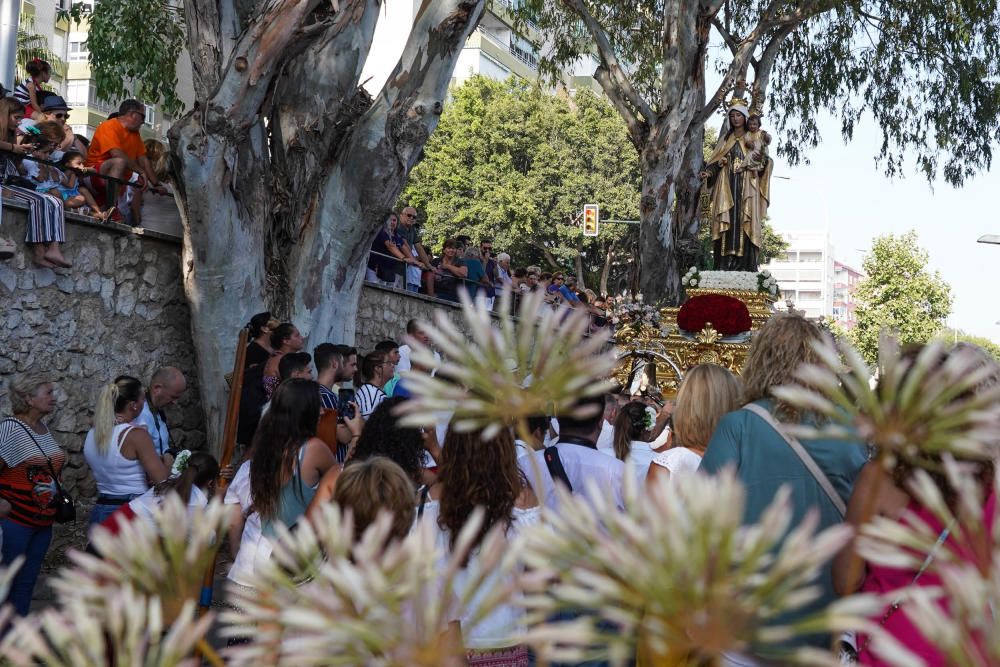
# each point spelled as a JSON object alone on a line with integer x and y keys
{"x": 693, "y": 282}
{"x": 765, "y": 273}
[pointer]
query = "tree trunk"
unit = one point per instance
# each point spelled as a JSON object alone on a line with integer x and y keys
{"x": 281, "y": 215}
{"x": 578, "y": 261}
{"x": 606, "y": 269}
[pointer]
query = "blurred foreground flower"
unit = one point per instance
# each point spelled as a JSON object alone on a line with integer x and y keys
{"x": 961, "y": 616}
{"x": 166, "y": 557}
{"x": 941, "y": 400}
{"x": 322, "y": 600}
{"x": 507, "y": 369}
{"x": 128, "y": 628}
{"x": 679, "y": 574}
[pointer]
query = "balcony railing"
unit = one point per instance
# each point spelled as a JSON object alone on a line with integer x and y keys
{"x": 525, "y": 56}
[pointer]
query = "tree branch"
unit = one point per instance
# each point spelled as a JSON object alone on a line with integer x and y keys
{"x": 638, "y": 129}
{"x": 622, "y": 84}
{"x": 727, "y": 37}
{"x": 762, "y": 68}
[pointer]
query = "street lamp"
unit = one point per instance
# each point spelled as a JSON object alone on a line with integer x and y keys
{"x": 993, "y": 239}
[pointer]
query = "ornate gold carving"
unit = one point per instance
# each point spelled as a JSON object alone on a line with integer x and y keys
{"x": 707, "y": 346}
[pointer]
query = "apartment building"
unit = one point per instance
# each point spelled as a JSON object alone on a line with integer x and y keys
{"x": 845, "y": 286}
{"x": 69, "y": 42}
{"x": 805, "y": 273}
{"x": 495, "y": 49}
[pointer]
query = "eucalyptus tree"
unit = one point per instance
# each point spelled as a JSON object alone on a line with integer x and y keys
{"x": 284, "y": 166}
{"x": 926, "y": 72}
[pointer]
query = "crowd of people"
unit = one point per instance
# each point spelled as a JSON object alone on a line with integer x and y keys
{"x": 51, "y": 170}
{"x": 322, "y": 427}
{"x": 399, "y": 259}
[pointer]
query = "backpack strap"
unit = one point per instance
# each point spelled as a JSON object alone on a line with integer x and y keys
{"x": 555, "y": 466}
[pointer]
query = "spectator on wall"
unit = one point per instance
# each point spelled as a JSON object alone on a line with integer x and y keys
{"x": 27, "y": 92}
{"x": 410, "y": 232}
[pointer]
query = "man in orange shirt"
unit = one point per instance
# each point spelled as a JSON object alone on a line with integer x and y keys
{"x": 117, "y": 149}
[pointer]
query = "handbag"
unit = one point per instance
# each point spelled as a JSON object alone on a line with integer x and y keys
{"x": 65, "y": 509}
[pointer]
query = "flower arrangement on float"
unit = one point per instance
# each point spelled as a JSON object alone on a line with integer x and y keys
{"x": 746, "y": 281}
{"x": 625, "y": 310}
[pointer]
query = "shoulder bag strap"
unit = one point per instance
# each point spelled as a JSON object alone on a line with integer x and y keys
{"x": 555, "y": 466}
{"x": 425, "y": 492}
{"x": 800, "y": 451}
{"x": 55, "y": 477}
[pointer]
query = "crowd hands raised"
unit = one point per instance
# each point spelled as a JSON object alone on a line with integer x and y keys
{"x": 50, "y": 169}
{"x": 324, "y": 428}
{"x": 399, "y": 259}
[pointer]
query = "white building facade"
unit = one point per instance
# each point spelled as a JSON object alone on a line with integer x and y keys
{"x": 805, "y": 273}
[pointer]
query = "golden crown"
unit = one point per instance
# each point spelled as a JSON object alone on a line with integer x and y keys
{"x": 738, "y": 101}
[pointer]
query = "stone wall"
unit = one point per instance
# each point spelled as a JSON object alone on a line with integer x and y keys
{"x": 119, "y": 310}
{"x": 383, "y": 313}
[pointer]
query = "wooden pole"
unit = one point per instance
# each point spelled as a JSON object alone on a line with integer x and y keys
{"x": 228, "y": 445}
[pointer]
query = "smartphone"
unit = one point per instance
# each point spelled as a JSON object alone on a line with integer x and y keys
{"x": 347, "y": 411}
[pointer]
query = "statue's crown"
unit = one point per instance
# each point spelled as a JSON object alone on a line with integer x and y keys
{"x": 738, "y": 102}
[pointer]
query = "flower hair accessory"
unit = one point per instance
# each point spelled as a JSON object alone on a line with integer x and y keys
{"x": 180, "y": 463}
{"x": 650, "y": 418}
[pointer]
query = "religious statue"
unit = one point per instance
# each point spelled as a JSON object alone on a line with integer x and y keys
{"x": 738, "y": 178}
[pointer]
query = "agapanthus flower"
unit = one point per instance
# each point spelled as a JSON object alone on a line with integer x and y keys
{"x": 940, "y": 401}
{"x": 322, "y": 600}
{"x": 503, "y": 369}
{"x": 678, "y": 574}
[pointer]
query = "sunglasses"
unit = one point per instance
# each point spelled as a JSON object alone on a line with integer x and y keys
{"x": 61, "y": 116}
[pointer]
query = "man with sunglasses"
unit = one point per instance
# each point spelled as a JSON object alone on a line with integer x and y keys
{"x": 408, "y": 230}
{"x": 55, "y": 109}
{"x": 117, "y": 149}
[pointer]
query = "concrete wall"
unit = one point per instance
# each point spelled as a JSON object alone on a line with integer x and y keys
{"x": 119, "y": 310}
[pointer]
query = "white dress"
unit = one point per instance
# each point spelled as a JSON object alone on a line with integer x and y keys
{"x": 255, "y": 549}
{"x": 500, "y": 627}
{"x": 678, "y": 460}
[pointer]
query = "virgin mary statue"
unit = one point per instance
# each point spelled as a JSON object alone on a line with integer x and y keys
{"x": 737, "y": 177}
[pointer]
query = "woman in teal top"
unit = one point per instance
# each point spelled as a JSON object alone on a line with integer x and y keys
{"x": 763, "y": 459}
{"x": 288, "y": 459}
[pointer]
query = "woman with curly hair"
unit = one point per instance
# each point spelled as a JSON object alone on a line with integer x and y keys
{"x": 889, "y": 493}
{"x": 288, "y": 459}
{"x": 753, "y": 441}
{"x": 478, "y": 473}
{"x": 381, "y": 436}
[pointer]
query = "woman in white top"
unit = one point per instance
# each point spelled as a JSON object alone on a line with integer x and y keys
{"x": 706, "y": 394}
{"x": 482, "y": 473}
{"x": 634, "y": 428}
{"x": 120, "y": 454}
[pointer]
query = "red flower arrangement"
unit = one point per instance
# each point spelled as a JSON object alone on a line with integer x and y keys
{"x": 728, "y": 315}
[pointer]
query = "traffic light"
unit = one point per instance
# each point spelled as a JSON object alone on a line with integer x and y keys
{"x": 591, "y": 219}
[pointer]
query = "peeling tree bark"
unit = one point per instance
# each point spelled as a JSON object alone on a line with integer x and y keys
{"x": 279, "y": 213}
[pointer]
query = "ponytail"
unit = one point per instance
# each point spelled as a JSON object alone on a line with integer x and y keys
{"x": 112, "y": 399}
{"x": 104, "y": 417}
{"x": 629, "y": 425}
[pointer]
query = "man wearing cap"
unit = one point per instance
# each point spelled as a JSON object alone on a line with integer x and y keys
{"x": 735, "y": 219}
{"x": 117, "y": 148}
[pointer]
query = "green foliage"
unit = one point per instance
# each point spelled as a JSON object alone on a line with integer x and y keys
{"x": 900, "y": 294}
{"x": 514, "y": 163}
{"x": 134, "y": 47}
{"x": 31, "y": 46}
{"x": 927, "y": 72}
{"x": 951, "y": 335}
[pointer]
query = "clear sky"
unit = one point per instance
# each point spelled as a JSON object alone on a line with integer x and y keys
{"x": 843, "y": 190}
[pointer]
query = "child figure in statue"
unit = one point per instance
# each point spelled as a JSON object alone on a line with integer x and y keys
{"x": 757, "y": 141}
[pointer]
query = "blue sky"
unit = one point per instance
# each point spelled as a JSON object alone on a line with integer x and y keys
{"x": 844, "y": 191}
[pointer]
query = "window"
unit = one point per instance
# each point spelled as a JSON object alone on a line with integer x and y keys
{"x": 77, "y": 91}
{"x": 150, "y": 115}
{"x": 783, "y": 274}
{"x": 810, "y": 295}
{"x": 810, "y": 274}
{"x": 77, "y": 49}
{"x": 810, "y": 256}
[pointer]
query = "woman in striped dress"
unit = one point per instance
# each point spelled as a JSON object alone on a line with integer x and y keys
{"x": 46, "y": 222}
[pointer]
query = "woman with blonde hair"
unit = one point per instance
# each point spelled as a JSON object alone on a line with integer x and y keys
{"x": 30, "y": 464}
{"x": 120, "y": 454}
{"x": 368, "y": 488}
{"x": 707, "y": 393}
{"x": 819, "y": 473}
